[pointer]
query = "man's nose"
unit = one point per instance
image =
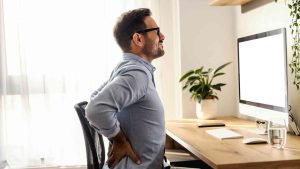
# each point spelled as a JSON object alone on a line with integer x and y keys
{"x": 161, "y": 36}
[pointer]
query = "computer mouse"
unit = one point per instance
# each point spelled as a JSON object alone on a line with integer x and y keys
{"x": 254, "y": 140}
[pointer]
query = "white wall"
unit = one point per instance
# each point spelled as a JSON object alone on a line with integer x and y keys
{"x": 207, "y": 39}
{"x": 264, "y": 18}
{"x": 169, "y": 66}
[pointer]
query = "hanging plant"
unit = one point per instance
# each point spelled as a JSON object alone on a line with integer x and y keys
{"x": 294, "y": 65}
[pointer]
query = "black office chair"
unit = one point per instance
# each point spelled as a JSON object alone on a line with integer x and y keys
{"x": 95, "y": 150}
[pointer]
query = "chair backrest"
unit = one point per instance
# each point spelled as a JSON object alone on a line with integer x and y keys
{"x": 94, "y": 144}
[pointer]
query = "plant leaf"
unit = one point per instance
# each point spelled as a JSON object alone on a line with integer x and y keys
{"x": 192, "y": 79}
{"x": 187, "y": 74}
{"x": 209, "y": 70}
{"x": 215, "y": 96}
{"x": 194, "y": 88}
{"x": 197, "y": 71}
{"x": 218, "y": 74}
{"x": 184, "y": 87}
{"x": 221, "y": 67}
{"x": 218, "y": 86}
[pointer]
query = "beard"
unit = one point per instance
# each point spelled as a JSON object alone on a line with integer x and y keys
{"x": 151, "y": 50}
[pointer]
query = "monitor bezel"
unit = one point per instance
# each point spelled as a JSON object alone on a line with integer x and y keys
{"x": 258, "y": 36}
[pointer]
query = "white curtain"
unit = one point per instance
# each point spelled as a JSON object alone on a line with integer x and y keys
{"x": 53, "y": 53}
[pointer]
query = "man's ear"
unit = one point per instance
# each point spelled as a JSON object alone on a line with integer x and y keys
{"x": 138, "y": 39}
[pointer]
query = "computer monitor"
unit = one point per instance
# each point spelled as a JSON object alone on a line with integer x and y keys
{"x": 262, "y": 72}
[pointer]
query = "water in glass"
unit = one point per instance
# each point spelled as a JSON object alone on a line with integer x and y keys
{"x": 277, "y": 133}
{"x": 277, "y": 137}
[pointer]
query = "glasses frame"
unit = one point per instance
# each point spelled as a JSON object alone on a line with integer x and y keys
{"x": 149, "y": 30}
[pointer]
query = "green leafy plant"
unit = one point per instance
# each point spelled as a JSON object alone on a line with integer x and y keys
{"x": 200, "y": 82}
{"x": 294, "y": 65}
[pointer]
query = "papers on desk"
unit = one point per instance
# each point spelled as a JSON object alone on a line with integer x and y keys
{"x": 223, "y": 133}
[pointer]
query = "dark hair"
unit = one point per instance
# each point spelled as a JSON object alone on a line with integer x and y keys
{"x": 129, "y": 23}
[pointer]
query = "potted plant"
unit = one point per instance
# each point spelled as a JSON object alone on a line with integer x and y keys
{"x": 295, "y": 46}
{"x": 200, "y": 84}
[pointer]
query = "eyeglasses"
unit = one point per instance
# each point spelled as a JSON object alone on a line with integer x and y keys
{"x": 150, "y": 29}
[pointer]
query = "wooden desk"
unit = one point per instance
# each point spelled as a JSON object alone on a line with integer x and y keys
{"x": 232, "y": 153}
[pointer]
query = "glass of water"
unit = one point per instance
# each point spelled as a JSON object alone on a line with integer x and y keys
{"x": 277, "y": 133}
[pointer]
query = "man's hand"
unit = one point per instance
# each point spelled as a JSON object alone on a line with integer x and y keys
{"x": 119, "y": 149}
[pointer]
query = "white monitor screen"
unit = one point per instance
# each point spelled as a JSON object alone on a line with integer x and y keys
{"x": 262, "y": 70}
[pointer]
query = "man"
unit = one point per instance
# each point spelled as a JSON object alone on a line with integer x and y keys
{"x": 127, "y": 108}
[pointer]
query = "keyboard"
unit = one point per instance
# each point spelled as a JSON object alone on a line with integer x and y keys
{"x": 223, "y": 133}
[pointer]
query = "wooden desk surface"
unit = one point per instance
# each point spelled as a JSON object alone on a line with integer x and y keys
{"x": 232, "y": 153}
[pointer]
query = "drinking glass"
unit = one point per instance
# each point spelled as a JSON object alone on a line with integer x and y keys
{"x": 277, "y": 133}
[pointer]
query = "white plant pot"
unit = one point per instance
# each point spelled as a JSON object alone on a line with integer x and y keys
{"x": 207, "y": 109}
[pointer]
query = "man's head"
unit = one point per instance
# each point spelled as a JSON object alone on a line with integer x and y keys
{"x": 137, "y": 32}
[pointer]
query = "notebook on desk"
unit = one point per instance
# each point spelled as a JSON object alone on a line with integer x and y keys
{"x": 223, "y": 133}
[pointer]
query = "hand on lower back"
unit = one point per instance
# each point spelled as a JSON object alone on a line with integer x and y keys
{"x": 119, "y": 149}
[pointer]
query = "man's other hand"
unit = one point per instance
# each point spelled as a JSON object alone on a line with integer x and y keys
{"x": 119, "y": 149}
